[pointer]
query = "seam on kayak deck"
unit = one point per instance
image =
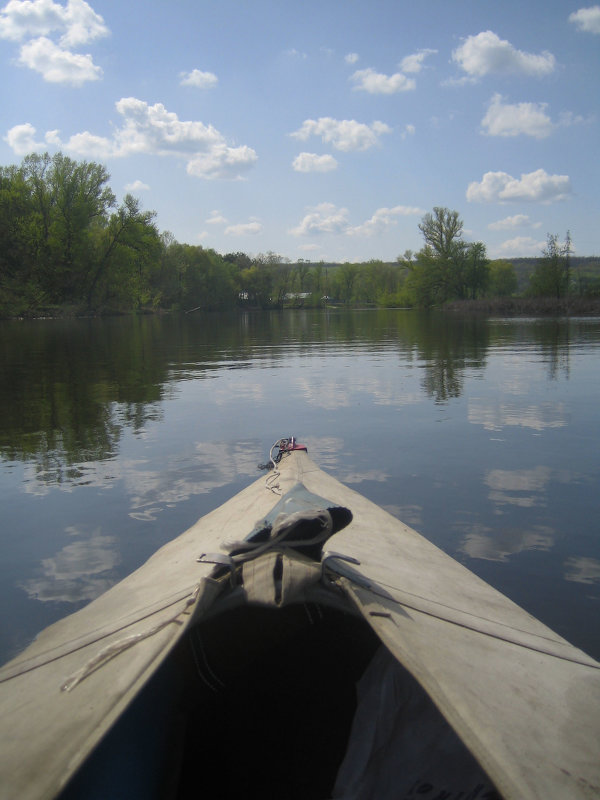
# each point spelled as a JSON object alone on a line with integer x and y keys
{"x": 491, "y": 634}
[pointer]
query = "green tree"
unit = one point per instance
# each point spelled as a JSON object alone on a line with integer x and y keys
{"x": 423, "y": 282}
{"x": 567, "y": 250}
{"x": 209, "y": 281}
{"x": 124, "y": 249}
{"x": 80, "y": 196}
{"x": 256, "y": 286}
{"x": 441, "y": 230}
{"x": 369, "y": 282}
{"x": 282, "y": 281}
{"x": 476, "y": 274}
{"x": 241, "y": 260}
{"x": 35, "y": 169}
{"x": 447, "y": 267}
{"x": 17, "y": 262}
{"x": 276, "y": 278}
{"x": 169, "y": 280}
{"x": 346, "y": 275}
{"x": 302, "y": 270}
{"x": 551, "y": 275}
{"x": 436, "y": 276}
{"x": 318, "y": 280}
{"x": 503, "y": 279}
{"x": 66, "y": 199}
{"x": 51, "y": 209}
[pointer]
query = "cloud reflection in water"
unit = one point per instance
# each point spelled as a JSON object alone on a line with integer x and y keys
{"x": 480, "y": 543}
{"x": 582, "y": 570}
{"x": 494, "y": 415}
{"x": 80, "y": 571}
{"x": 210, "y": 466}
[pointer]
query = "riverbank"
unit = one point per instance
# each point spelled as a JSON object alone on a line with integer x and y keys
{"x": 529, "y": 306}
{"x": 495, "y": 306}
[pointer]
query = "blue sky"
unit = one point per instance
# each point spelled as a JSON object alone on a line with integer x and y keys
{"x": 319, "y": 129}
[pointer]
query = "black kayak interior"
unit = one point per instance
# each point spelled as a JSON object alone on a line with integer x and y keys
{"x": 254, "y": 702}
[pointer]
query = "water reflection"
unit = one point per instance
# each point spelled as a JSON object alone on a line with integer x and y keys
{"x": 448, "y": 347}
{"x": 136, "y": 426}
{"x": 525, "y": 488}
{"x": 326, "y": 450}
{"x": 582, "y": 570}
{"x": 44, "y": 474}
{"x": 495, "y": 414}
{"x": 71, "y": 387}
{"x": 557, "y": 339}
{"x": 326, "y": 392}
{"x": 518, "y": 487}
{"x": 212, "y": 465}
{"x": 81, "y": 570}
{"x": 371, "y": 475}
{"x": 481, "y": 542}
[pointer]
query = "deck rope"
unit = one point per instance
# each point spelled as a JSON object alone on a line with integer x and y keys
{"x": 272, "y": 480}
{"x": 116, "y": 648}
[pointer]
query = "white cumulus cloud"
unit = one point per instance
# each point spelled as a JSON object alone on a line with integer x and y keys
{"x": 311, "y": 162}
{"x": 414, "y": 62}
{"x": 322, "y": 218}
{"x": 587, "y": 19}
{"x": 382, "y": 220}
{"x": 368, "y": 80}
{"x": 222, "y": 162}
{"x": 29, "y": 19}
{"x": 506, "y": 119}
{"x": 244, "y": 229}
{"x": 198, "y": 79}
{"x": 82, "y": 24}
{"x": 529, "y": 119}
{"x": 345, "y": 134}
{"x": 329, "y": 218}
{"x": 137, "y": 186}
{"x": 521, "y": 246}
{"x": 50, "y": 32}
{"x": 89, "y": 145}
{"x": 516, "y": 221}
{"x": 58, "y": 65}
{"x": 153, "y": 130}
{"x": 216, "y": 218}
{"x": 351, "y": 58}
{"x": 537, "y": 186}
{"x": 22, "y": 139}
{"x": 486, "y": 53}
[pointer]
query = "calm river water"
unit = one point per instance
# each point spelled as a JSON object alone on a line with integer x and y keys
{"x": 117, "y": 434}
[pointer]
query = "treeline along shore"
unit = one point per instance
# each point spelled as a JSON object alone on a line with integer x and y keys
{"x": 68, "y": 248}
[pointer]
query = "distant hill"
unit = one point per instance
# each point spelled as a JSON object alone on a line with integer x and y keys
{"x": 585, "y": 270}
